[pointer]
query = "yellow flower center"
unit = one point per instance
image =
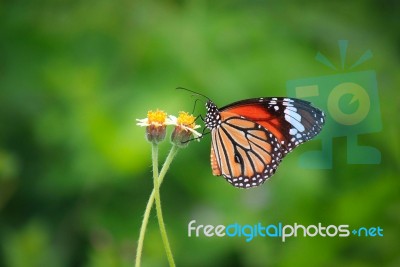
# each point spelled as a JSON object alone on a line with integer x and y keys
{"x": 186, "y": 119}
{"x": 156, "y": 117}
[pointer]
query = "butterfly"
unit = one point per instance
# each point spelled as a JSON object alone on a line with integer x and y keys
{"x": 251, "y": 137}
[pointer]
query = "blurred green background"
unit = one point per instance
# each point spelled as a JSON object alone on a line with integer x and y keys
{"x": 75, "y": 170}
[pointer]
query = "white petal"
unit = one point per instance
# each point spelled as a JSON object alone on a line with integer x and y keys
{"x": 195, "y": 133}
{"x": 143, "y": 122}
{"x": 171, "y": 120}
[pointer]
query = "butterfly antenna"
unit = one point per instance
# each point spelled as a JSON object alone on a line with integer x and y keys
{"x": 182, "y": 88}
{"x": 194, "y": 107}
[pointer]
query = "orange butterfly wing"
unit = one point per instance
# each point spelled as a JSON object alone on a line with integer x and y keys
{"x": 250, "y": 137}
{"x": 292, "y": 121}
{"x": 245, "y": 153}
{"x": 260, "y": 115}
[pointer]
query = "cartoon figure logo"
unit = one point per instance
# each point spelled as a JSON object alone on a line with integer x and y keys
{"x": 351, "y": 103}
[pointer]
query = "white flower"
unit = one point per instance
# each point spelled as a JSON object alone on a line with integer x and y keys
{"x": 184, "y": 129}
{"x": 155, "y": 124}
{"x": 185, "y": 122}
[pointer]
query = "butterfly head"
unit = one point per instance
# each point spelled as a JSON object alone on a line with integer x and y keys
{"x": 213, "y": 116}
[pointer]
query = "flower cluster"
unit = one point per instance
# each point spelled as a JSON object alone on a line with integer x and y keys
{"x": 156, "y": 122}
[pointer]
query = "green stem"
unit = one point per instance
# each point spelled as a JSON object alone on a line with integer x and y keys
{"x": 167, "y": 163}
{"x": 143, "y": 229}
{"x": 160, "y": 218}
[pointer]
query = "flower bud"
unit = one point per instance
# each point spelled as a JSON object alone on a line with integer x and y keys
{"x": 184, "y": 129}
{"x": 155, "y": 124}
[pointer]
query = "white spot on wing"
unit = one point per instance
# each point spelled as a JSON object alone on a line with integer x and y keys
{"x": 292, "y": 109}
{"x": 297, "y": 124}
{"x": 292, "y": 113}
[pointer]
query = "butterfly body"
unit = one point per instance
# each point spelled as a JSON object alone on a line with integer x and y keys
{"x": 251, "y": 137}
